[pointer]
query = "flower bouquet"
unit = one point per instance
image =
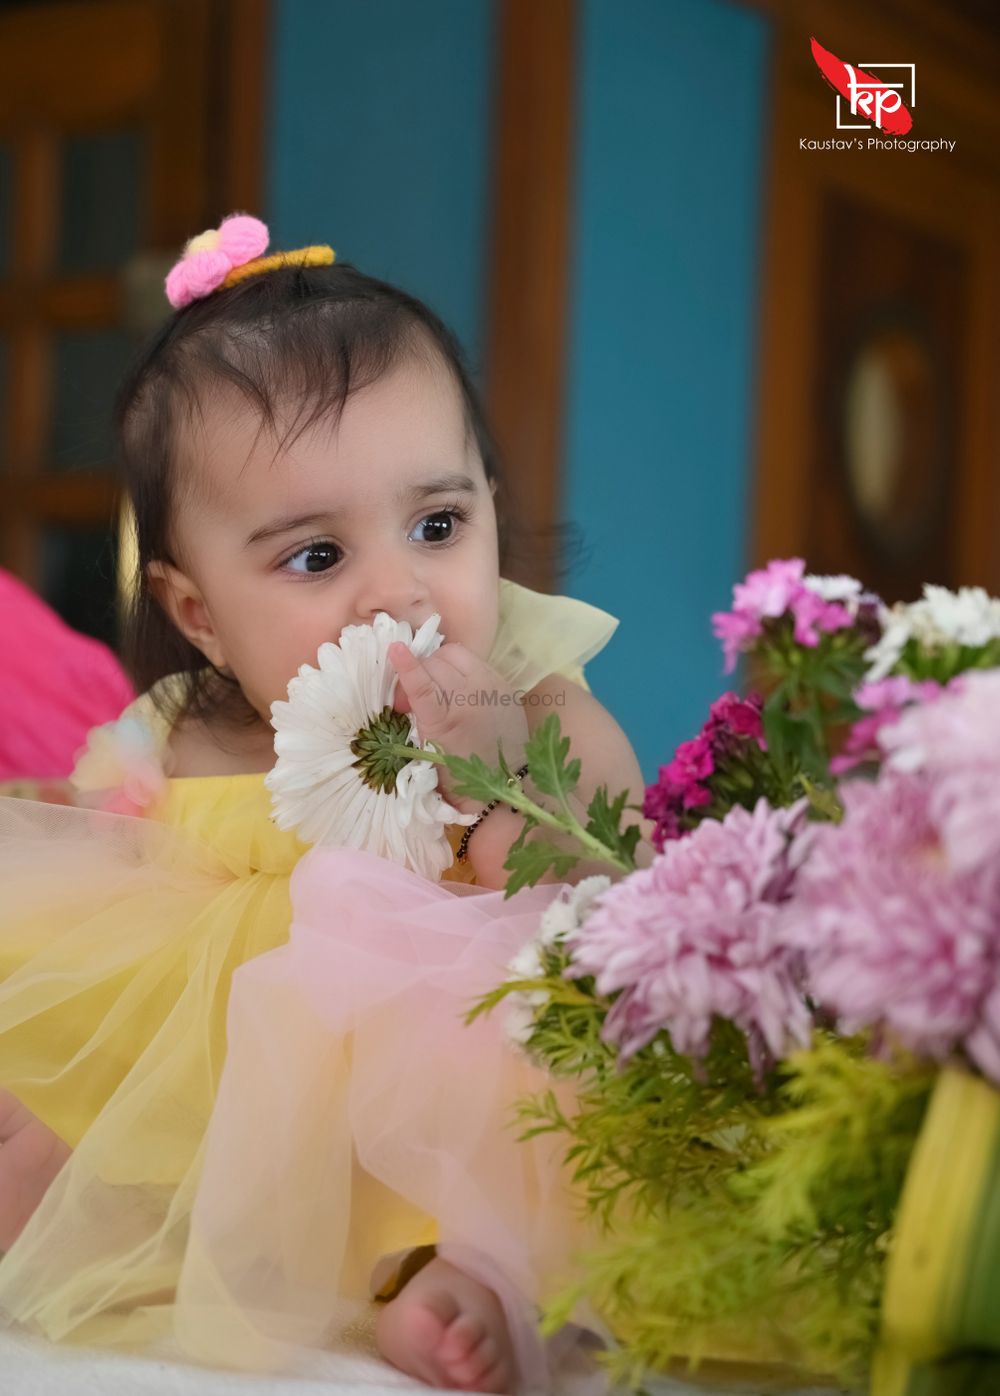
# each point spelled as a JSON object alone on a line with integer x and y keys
{"x": 784, "y": 1032}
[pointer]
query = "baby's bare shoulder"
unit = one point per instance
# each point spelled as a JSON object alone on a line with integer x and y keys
{"x": 194, "y": 749}
{"x": 189, "y": 751}
{"x": 594, "y": 734}
{"x": 605, "y": 752}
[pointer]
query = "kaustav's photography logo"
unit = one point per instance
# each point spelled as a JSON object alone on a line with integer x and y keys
{"x": 876, "y": 98}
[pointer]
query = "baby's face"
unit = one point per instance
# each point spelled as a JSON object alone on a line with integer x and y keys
{"x": 280, "y": 552}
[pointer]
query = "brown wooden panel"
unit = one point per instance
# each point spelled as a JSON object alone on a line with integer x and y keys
{"x": 942, "y": 209}
{"x": 530, "y": 252}
{"x": 187, "y": 79}
{"x": 181, "y": 118}
{"x": 84, "y": 65}
{"x": 70, "y": 499}
{"x": 89, "y": 300}
{"x": 893, "y": 300}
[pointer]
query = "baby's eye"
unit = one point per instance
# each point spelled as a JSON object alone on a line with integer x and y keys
{"x": 316, "y": 557}
{"x": 441, "y": 525}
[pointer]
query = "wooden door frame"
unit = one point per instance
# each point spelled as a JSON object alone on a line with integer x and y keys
{"x": 955, "y": 196}
{"x": 206, "y": 62}
{"x": 529, "y": 255}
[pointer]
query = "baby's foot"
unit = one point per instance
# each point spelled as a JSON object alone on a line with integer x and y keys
{"x": 30, "y": 1157}
{"x": 449, "y": 1331}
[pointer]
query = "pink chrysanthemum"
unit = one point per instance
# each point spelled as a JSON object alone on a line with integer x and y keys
{"x": 781, "y": 588}
{"x": 692, "y": 937}
{"x": 894, "y": 937}
{"x": 954, "y": 742}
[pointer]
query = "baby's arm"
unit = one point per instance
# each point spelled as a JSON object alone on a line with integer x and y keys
{"x": 606, "y": 758}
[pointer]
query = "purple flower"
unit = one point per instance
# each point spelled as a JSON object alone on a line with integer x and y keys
{"x": 893, "y": 935}
{"x": 883, "y": 702}
{"x": 693, "y": 937}
{"x": 954, "y": 742}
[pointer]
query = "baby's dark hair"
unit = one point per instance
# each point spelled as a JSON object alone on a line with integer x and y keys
{"x": 306, "y": 336}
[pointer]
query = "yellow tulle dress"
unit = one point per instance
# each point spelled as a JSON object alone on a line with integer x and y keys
{"x": 237, "y": 1185}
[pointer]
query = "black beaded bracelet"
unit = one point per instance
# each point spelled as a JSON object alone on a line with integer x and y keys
{"x": 461, "y": 856}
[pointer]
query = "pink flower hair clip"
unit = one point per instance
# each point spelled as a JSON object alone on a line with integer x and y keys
{"x": 224, "y": 256}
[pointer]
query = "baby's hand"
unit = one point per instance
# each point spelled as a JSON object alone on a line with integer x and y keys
{"x": 438, "y": 689}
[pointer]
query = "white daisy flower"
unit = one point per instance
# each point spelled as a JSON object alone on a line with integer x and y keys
{"x": 336, "y": 781}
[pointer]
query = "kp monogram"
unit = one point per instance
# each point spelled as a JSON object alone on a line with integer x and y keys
{"x": 879, "y": 101}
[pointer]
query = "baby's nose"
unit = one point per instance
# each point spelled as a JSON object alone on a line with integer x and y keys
{"x": 402, "y": 598}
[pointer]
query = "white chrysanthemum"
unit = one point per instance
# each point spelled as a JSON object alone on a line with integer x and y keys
{"x": 969, "y": 616}
{"x": 335, "y": 781}
{"x": 566, "y": 912}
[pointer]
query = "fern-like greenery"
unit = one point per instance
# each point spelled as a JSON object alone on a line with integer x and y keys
{"x": 741, "y": 1217}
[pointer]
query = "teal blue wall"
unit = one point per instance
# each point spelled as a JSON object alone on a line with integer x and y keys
{"x": 380, "y": 143}
{"x": 663, "y": 334}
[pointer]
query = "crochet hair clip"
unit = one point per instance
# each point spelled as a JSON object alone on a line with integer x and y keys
{"x": 229, "y": 254}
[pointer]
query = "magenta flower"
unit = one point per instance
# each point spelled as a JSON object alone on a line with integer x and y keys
{"x": 699, "y": 773}
{"x": 781, "y": 588}
{"x": 693, "y": 937}
{"x": 883, "y": 702}
{"x": 954, "y": 743}
{"x": 894, "y": 937}
{"x": 692, "y": 764}
{"x": 741, "y": 716}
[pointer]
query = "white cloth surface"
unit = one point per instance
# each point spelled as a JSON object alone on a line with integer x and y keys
{"x": 31, "y": 1367}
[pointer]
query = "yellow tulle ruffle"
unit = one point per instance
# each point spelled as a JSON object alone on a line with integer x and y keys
{"x": 119, "y": 939}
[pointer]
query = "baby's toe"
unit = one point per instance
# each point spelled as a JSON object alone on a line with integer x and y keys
{"x": 462, "y": 1338}
{"x": 472, "y": 1359}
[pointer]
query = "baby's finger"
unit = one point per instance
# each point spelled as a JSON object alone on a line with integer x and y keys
{"x": 462, "y": 660}
{"x": 416, "y": 680}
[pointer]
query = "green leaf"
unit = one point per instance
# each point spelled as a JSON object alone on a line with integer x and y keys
{"x": 530, "y": 861}
{"x": 546, "y": 753}
{"x": 604, "y": 821}
{"x": 822, "y": 800}
{"x": 604, "y": 818}
{"x": 471, "y": 776}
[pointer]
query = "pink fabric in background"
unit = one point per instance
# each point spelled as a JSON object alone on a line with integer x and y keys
{"x": 55, "y": 685}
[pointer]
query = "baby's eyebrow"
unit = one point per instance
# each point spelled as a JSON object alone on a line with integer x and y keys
{"x": 443, "y": 484}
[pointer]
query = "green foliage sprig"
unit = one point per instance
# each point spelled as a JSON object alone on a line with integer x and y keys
{"x": 555, "y": 774}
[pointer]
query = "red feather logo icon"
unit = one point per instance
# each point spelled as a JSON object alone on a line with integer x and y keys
{"x": 870, "y": 97}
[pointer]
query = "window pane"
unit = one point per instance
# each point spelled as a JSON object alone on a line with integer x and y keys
{"x": 102, "y": 198}
{"x": 79, "y": 578}
{"x": 86, "y": 370}
{"x": 6, "y": 205}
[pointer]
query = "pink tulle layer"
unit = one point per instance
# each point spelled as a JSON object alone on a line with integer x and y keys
{"x": 359, "y": 1114}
